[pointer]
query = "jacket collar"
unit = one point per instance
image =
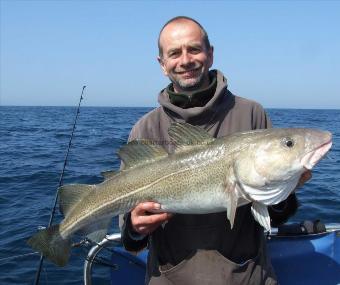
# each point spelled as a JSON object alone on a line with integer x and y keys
{"x": 198, "y": 115}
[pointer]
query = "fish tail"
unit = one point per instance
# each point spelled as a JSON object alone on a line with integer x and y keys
{"x": 52, "y": 245}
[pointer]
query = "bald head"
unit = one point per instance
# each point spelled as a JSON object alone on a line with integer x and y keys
{"x": 181, "y": 21}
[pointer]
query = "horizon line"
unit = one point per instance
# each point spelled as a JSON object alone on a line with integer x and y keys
{"x": 84, "y": 106}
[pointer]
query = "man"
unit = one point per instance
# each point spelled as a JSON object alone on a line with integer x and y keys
{"x": 199, "y": 249}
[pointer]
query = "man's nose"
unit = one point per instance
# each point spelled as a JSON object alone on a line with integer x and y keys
{"x": 186, "y": 58}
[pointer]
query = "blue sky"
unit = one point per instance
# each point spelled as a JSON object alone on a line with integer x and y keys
{"x": 283, "y": 54}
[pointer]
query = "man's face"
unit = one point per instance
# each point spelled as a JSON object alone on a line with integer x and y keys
{"x": 186, "y": 60}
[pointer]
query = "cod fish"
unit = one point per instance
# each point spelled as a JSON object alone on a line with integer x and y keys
{"x": 202, "y": 175}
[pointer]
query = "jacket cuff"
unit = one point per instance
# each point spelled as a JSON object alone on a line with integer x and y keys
{"x": 281, "y": 212}
{"x": 132, "y": 240}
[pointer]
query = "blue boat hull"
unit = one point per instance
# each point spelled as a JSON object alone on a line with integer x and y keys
{"x": 310, "y": 259}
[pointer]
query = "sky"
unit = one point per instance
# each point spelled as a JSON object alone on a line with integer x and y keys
{"x": 282, "y": 54}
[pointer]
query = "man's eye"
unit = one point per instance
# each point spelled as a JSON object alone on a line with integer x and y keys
{"x": 195, "y": 50}
{"x": 174, "y": 54}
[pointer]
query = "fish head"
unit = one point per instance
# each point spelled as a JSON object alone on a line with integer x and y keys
{"x": 268, "y": 169}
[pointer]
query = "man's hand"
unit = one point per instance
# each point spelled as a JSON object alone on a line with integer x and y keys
{"x": 304, "y": 178}
{"x": 144, "y": 220}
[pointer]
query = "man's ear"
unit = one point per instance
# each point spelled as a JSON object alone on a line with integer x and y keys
{"x": 211, "y": 56}
{"x": 162, "y": 64}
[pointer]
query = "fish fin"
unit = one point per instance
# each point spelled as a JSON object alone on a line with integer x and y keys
{"x": 97, "y": 230}
{"x": 231, "y": 206}
{"x": 187, "y": 136}
{"x": 51, "y": 244}
{"x": 109, "y": 174}
{"x": 98, "y": 235}
{"x": 71, "y": 194}
{"x": 138, "y": 152}
{"x": 261, "y": 215}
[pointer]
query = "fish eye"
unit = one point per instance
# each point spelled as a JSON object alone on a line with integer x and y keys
{"x": 288, "y": 142}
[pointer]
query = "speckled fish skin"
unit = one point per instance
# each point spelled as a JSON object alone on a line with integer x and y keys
{"x": 198, "y": 180}
{"x": 211, "y": 175}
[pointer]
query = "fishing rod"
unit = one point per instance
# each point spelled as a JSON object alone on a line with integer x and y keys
{"x": 37, "y": 276}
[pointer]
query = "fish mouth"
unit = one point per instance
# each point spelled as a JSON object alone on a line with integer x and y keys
{"x": 313, "y": 157}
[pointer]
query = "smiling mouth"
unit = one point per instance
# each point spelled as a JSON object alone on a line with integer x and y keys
{"x": 189, "y": 72}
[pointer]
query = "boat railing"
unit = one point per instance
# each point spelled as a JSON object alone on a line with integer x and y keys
{"x": 109, "y": 239}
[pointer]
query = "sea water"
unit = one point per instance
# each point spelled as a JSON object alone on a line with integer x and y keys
{"x": 33, "y": 144}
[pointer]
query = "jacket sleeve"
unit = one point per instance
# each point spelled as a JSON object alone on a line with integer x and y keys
{"x": 131, "y": 240}
{"x": 280, "y": 213}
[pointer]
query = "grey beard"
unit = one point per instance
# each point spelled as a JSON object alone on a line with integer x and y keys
{"x": 190, "y": 86}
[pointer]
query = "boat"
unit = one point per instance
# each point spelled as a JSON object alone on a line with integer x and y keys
{"x": 301, "y": 253}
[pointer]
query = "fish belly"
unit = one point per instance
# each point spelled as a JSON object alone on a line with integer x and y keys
{"x": 203, "y": 202}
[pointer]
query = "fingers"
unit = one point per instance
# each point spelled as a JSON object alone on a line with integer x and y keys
{"x": 148, "y": 225}
{"x": 146, "y": 207}
{"x": 305, "y": 177}
{"x": 144, "y": 220}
